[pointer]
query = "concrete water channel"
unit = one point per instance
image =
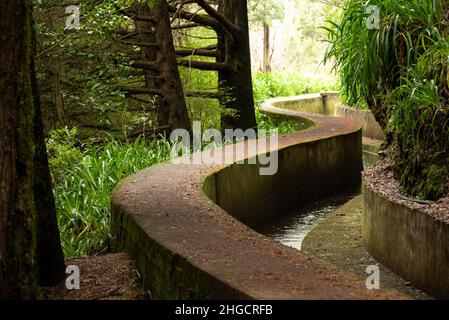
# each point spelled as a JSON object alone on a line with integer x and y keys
{"x": 330, "y": 228}
{"x": 190, "y": 228}
{"x": 292, "y": 228}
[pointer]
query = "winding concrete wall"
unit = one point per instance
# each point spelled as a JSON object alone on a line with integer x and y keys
{"x": 371, "y": 129}
{"x": 329, "y": 104}
{"x": 410, "y": 242}
{"x": 316, "y": 103}
{"x": 172, "y": 220}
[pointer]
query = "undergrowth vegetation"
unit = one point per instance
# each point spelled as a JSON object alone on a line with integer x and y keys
{"x": 84, "y": 175}
{"x": 400, "y": 70}
{"x": 272, "y": 85}
{"x": 85, "y": 172}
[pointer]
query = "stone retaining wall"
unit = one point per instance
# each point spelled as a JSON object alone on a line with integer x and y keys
{"x": 410, "y": 242}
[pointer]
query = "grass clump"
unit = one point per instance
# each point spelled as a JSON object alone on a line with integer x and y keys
{"x": 84, "y": 176}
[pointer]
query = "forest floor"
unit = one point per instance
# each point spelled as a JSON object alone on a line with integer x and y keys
{"x": 380, "y": 178}
{"x": 105, "y": 277}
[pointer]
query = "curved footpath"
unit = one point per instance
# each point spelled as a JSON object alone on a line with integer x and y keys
{"x": 188, "y": 247}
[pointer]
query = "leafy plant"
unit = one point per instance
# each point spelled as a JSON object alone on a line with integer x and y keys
{"x": 400, "y": 71}
{"x": 84, "y": 176}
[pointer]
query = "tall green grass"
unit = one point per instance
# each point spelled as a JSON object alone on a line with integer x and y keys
{"x": 271, "y": 85}
{"x": 84, "y": 176}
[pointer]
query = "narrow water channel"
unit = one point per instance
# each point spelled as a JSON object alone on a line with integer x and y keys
{"x": 292, "y": 228}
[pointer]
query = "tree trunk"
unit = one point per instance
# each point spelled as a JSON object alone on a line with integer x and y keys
{"x": 235, "y": 83}
{"x": 50, "y": 258}
{"x": 18, "y": 267}
{"x": 149, "y": 54}
{"x": 174, "y": 101}
{"x": 26, "y": 203}
{"x": 266, "y": 48}
{"x": 160, "y": 65}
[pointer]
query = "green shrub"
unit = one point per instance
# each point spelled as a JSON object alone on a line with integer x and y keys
{"x": 84, "y": 177}
{"x": 400, "y": 70}
{"x": 271, "y": 85}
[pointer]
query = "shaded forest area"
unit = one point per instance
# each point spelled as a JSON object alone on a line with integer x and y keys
{"x": 102, "y": 96}
{"x": 84, "y": 106}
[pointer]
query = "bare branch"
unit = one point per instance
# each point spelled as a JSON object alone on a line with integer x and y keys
{"x": 149, "y": 91}
{"x": 202, "y": 65}
{"x": 201, "y": 19}
{"x": 185, "y": 26}
{"x": 222, "y": 20}
{"x": 137, "y": 17}
{"x": 196, "y": 52}
{"x": 202, "y": 94}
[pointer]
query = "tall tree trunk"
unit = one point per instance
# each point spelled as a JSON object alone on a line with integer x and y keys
{"x": 50, "y": 258}
{"x": 235, "y": 83}
{"x": 149, "y": 54}
{"x": 266, "y": 48}
{"x": 23, "y": 189}
{"x": 160, "y": 65}
{"x": 18, "y": 267}
{"x": 174, "y": 102}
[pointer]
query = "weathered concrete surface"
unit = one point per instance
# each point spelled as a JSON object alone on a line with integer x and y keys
{"x": 329, "y": 104}
{"x": 338, "y": 240}
{"x": 371, "y": 129}
{"x": 317, "y": 103}
{"x": 410, "y": 242}
{"x": 307, "y": 172}
{"x": 187, "y": 247}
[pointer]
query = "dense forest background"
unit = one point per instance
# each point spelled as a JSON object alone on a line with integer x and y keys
{"x": 80, "y": 71}
{"x": 102, "y": 97}
{"x": 99, "y": 133}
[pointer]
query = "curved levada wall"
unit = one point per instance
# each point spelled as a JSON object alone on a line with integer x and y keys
{"x": 187, "y": 225}
{"x": 408, "y": 241}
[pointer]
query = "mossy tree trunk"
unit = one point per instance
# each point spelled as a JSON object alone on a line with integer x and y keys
{"x": 27, "y": 215}
{"x": 158, "y": 62}
{"x": 235, "y": 81}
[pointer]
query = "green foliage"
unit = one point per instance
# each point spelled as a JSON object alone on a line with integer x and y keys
{"x": 265, "y": 11}
{"x": 84, "y": 176}
{"x": 271, "y": 85}
{"x": 80, "y": 71}
{"x": 401, "y": 72}
{"x": 265, "y": 122}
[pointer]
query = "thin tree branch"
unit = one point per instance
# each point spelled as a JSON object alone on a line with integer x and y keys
{"x": 202, "y": 94}
{"x": 222, "y": 20}
{"x": 196, "y": 52}
{"x": 201, "y": 19}
{"x": 149, "y": 91}
{"x": 202, "y": 65}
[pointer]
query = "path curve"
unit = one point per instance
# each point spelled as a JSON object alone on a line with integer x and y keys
{"x": 187, "y": 247}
